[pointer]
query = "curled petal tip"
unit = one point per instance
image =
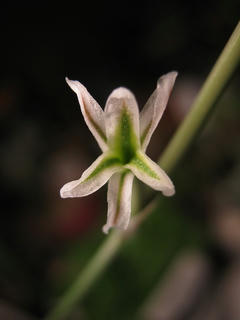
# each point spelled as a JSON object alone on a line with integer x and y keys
{"x": 63, "y": 193}
{"x": 71, "y": 83}
{"x": 75, "y": 85}
{"x": 173, "y": 73}
{"x": 170, "y": 76}
{"x": 169, "y": 192}
{"x": 121, "y": 92}
{"x": 68, "y": 80}
{"x": 106, "y": 228}
{"x": 69, "y": 190}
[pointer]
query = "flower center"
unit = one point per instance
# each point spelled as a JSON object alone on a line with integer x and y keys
{"x": 125, "y": 140}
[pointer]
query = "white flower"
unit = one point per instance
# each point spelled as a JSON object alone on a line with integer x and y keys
{"x": 123, "y": 136}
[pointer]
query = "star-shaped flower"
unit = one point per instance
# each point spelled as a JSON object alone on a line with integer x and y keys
{"x": 123, "y": 136}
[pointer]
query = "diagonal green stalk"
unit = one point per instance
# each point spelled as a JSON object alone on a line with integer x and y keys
{"x": 90, "y": 273}
{"x": 212, "y": 89}
{"x": 207, "y": 98}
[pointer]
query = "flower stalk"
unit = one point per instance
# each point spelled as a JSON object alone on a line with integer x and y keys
{"x": 211, "y": 91}
{"x": 213, "y": 87}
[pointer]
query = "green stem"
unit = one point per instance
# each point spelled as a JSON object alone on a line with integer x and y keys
{"x": 204, "y": 103}
{"x": 90, "y": 273}
{"x": 213, "y": 87}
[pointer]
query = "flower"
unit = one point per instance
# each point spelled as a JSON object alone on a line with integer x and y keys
{"x": 123, "y": 136}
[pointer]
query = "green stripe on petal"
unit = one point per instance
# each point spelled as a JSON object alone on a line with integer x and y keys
{"x": 154, "y": 108}
{"x": 119, "y": 200}
{"x": 141, "y": 164}
{"x": 125, "y": 141}
{"x": 145, "y": 133}
{"x": 104, "y": 164}
{"x": 94, "y": 123}
{"x": 92, "y": 113}
{"x": 122, "y": 124}
{"x": 150, "y": 173}
{"x": 93, "y": 178}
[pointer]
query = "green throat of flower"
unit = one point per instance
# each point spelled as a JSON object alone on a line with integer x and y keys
{"x": 124, "y": 148}
{"x": 125, "y": 143}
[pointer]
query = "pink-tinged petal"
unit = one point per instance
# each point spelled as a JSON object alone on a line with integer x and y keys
{"x": 93, "y": 178}
{"x": 92, "y": 113}
{"x": 154, "y": 108}
{"x": 121, "y": 101}
{"x": 150, "y": 173}
{"x": 119, "y": 200}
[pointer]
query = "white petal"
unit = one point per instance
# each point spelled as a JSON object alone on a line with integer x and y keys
{"x": 154, "y": 108}
{"x": 119, "y": 200}
{"x": 121, "y": 100}
{"x": 150, "y": 173}
{"x": 92, "y": 113}
{"x": 93, "y": 178}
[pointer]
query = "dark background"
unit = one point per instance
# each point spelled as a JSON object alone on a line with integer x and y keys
{"x": 44, "y": 240}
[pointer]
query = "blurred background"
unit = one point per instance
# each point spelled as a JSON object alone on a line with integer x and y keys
{"x": 183, "y": 262}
